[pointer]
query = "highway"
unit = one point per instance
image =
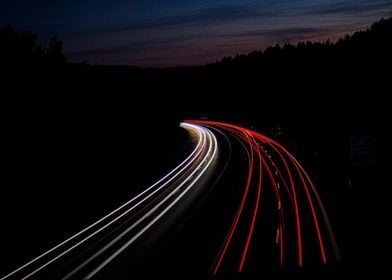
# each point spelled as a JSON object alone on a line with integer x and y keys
{"x": 89, "y": 251}
{"x": 297, "y": 219}
{"x": 240, "y": 202}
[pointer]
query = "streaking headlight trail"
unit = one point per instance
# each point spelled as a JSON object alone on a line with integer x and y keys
{"x": 110, "y": 236}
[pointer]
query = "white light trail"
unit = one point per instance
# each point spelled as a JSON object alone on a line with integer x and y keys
{"x": 109, "y": 219}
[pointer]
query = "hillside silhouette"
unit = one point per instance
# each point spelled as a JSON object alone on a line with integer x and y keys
{"x": 359, "y": 57}
{"x": 343, "y": 84}
{"x": 370, "y": 45}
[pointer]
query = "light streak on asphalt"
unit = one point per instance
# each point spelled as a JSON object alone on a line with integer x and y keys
{"x": 277, "y": 236}
{"x": 157, "y": 200}
{"x": 255, "y": 210}
{"x": 269, "y": 165}
{"x": 213, "y": 147}
{"x": 282, "y": 169}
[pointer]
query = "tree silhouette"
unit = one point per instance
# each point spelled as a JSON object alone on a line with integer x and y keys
{"x": 20, "y": 49}
{"x": 55, "y": 51}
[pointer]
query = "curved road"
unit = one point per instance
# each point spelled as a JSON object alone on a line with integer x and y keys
{"x": 270, "y": 213}
{"x": 297, "y": 219}
{"x": 86, "y": 253}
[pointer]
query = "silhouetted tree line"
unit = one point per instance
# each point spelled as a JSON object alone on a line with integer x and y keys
{"x": 349, "y": 78}
{"x": 377, "y": 38}
{"x": 20, "y": 49}
{"x": 371, "y": 47}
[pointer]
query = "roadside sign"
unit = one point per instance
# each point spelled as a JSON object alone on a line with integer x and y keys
{"x": 366, "y": 150}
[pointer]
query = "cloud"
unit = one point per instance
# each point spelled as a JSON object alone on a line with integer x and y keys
{"x": 351, "y": 7}
{"x": 141, "y": 46}
{"x": 222, "y": 13}
{"x": 278, "y": 32}
{"x": 216, "y": 41}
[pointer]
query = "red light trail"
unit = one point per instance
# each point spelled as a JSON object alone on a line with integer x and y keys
{"x": 268, "y": 156}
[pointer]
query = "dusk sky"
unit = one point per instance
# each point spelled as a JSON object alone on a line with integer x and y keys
{"x": 185, "y": 32}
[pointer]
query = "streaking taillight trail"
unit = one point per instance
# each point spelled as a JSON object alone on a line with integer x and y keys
{"x": 265, "y": 156}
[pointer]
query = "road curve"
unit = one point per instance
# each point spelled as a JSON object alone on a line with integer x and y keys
{"x": 279, "y": 217}
{"x": 85, "y": 254}
{"x": 299, "y": 210}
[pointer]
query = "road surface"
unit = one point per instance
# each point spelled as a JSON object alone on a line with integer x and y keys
{"x": 239, "y": 203}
